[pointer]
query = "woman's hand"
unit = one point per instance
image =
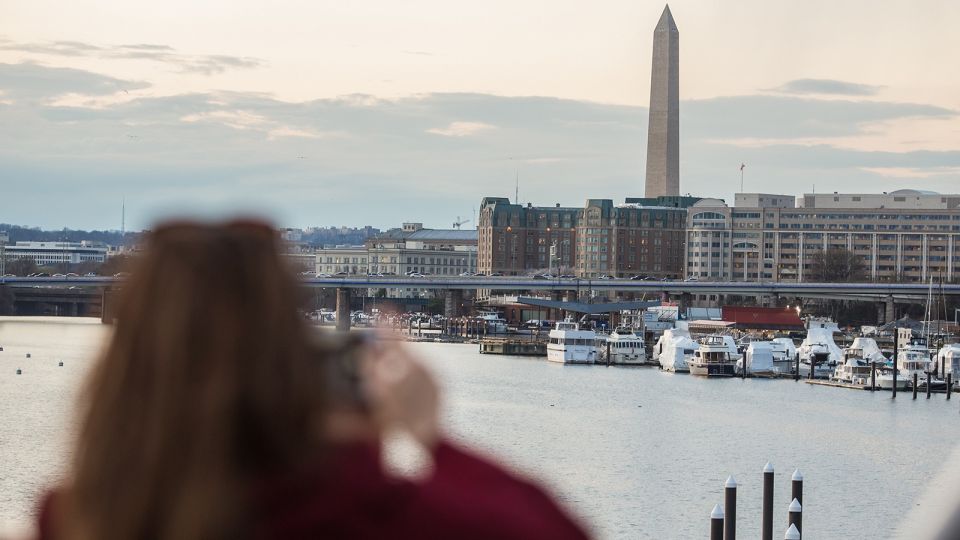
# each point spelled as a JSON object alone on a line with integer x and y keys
{"x": 401, "y": 394}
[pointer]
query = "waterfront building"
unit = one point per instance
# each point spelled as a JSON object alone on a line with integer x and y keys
{"x": 415, "y": 249}
{"x": 54, "y": 253}
{"x": 350, "y": 259}
{"x": 640, "y": 237}
{"x": 663, "y": 131}
{"x": 905, "y": 235}
{"x": 517, "y": 240}
{"x": 630, "y": 239}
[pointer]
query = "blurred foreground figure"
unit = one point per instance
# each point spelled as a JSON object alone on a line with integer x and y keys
{"x": 214, "y": 413}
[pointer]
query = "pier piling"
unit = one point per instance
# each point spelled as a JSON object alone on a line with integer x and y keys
{"x": 792, "y": 533}
{"x": 796, "y": 487}
{"x": 766, "y": 524}
{"x": 914, "y": 386}
{"x": 949, "y": 384}
{"x": 929, "y": 384}
{"x": 730, "y": 501}
{"x": 716, "y": 523}
{"x": 796, "y": 369}
{"x": 873, "y": 376}
{"x": 796, "y": 516}
{"x": 896, "y": 345}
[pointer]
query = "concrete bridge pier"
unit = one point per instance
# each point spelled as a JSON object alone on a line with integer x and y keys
{"x": 891, "y": 310}
{"x": 343, "y": 310}
{"x": 452, "y": 300}
{"x": 881, "y": 312}
{"x": 664, "y": 297}
{"x": 108, "y": 306}
{"x": 555, "y": 314}
{"x": 685, "y": 300}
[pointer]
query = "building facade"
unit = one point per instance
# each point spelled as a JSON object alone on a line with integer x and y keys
{"x": 599, "y": 239}
{"x": 630, "y": 240}
{"x": 58, "y": 253}
{"x": 771, "y": 241}
{"x": 516, "y": 240}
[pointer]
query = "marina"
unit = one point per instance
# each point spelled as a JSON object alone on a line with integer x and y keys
{"x": 634, "y": 426}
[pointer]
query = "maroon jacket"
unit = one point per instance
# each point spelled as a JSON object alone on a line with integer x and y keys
{"x": 350, "y": 496}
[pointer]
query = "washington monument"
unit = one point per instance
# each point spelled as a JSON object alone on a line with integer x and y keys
{"x": 663, "y": 133}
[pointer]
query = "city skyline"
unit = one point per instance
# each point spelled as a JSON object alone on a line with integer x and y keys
{"x": 289, "y": 110}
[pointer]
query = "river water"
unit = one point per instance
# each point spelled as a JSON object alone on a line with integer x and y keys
{"x": 637, "y": 453}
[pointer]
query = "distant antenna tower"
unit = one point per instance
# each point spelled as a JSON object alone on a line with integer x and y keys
{"x": 516, "y": 189}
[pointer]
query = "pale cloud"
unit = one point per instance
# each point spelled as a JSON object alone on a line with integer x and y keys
{"x": 462, "y": 129}
{"x": 233, "y": 119}
{"x": 826, "y": 87}
{"x": 911, "y": 172}
{"x": 318, "y": 161}
{"x": 203, "y": 64}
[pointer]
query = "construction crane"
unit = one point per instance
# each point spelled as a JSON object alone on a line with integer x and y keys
{"x": 459, "y": 222}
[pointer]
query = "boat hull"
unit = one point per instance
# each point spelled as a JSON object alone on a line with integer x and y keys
{"x": 571, "y": 354}
{"x": 713, "y": 369}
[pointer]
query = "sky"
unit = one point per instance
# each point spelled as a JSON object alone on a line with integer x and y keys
{"x": 378, "y": 112}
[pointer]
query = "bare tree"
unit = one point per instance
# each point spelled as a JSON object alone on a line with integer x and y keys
{"x": 838, "y": 265}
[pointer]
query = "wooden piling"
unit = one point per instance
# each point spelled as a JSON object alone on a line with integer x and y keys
{"x": 716, "y": 523}
{"x": 949, "y": 384}
{"x": 796, "y": 369}
{"x": 730, "y": 502}
{"x": 896, "y": 345}
{"x": 929, "y": 384}
{"x": 873, "y": 376}
{"x": 795, "y": 513}
{"x": 796, "y": 487}
{"x": 914, "y": 386}
{"x": 766, "y": 524}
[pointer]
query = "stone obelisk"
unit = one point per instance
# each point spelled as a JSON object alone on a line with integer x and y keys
{"x": 663, "y": 133}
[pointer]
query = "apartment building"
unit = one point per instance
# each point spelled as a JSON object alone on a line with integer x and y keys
{"x": 640, "y": 237}
{"x": 905, "y": 235}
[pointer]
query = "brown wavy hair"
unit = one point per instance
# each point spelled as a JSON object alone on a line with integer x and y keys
{"x": 207, "y": 384}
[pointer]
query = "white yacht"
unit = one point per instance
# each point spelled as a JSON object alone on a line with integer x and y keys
{"x": 758, "y": 360}
{"x": 784, "y": 355}
{"x": 495, "y": 323}
{"x": 570, "y": 345}
{"x": 855, "y": 367}
{"x": 624, "y": 346}
{"x": 674, "y": 350}
{"x": 712, "y": 358}
{"x": 818, "y": 351}
{"x": 914, "y": 358}
{"x": 949, "y": 357}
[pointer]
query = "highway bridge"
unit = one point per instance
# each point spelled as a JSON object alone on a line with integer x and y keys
{"x": 901, "y": 292}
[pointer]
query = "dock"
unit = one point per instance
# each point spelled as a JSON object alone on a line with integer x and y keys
{"x": 513, "y": 346}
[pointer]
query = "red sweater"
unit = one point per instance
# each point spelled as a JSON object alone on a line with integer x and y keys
{"x": 350, "y": 496}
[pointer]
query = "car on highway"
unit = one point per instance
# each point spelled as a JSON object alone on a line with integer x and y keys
{"x": 496, "y": 274}
{"x": 604, "y": 276}
{"x": 341, "y": 274}
{"x": 467, "y": 274}
{"x": 692, "y": 278}
{"x": 568, "y": 276}
{"x": 90, "y": 274}
{"x": 416, "y": 275}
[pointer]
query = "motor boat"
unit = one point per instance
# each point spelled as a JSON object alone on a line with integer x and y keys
{"x": 712, "y": 358}
{"x": 674, "y": 350}
{"x": 758, "y": 360}
{"x": 494, "y": 323}
{"x": 819, "y": 352}
{"x": 949, "y": 358}
{"x": 784, "y": 355}
{"x": 622, "y": 347}
{"x": 569, "y": 344}
{"x": 855, "y": 367}
{"x": 914, "y": 359}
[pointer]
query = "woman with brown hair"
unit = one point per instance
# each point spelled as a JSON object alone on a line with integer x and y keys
{"x": 214, "y": 413}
